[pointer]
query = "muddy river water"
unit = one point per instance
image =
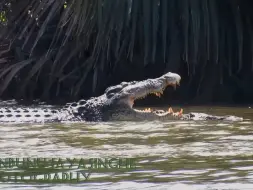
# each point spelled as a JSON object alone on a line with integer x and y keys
{"x": 204, "y": 155}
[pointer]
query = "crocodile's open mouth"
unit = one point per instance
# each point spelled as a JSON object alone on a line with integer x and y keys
{"x": 157, "y": 93}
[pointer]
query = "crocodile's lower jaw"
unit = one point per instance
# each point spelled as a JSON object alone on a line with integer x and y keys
{"x": 161, "y": 112}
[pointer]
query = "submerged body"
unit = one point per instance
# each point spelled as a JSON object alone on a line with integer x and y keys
{"x": 116, "y": 104}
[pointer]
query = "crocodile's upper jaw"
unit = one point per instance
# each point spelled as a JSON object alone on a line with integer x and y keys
{"x": 156, "y": 89}
{"x": 133, "y": 91}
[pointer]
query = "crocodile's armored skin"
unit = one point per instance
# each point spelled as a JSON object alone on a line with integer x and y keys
{"x": 116, "y": 104}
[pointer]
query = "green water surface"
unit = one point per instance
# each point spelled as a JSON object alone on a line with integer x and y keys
{"x": 167, "y": 155}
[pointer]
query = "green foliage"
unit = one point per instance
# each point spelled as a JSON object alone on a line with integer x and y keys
{"x": 93, "y": 36}
{"x": 65, "y": 5}
{"x": 3, "y": 18}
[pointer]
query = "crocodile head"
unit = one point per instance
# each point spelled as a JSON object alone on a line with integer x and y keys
{"x": 121, "y": 98}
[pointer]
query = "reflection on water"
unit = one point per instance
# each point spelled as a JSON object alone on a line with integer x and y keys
{"x": 170, "y": 155}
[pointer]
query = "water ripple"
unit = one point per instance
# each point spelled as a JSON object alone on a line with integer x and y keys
{"x": 178, "y": 154}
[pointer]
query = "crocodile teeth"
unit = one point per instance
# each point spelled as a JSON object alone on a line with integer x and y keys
{"x": 175, "y": 86}
{"x": 178, "y": 114}
{"x": 170, "y": 110}
{"x": 158, "y": 94}
{"x": 147, "y": 110}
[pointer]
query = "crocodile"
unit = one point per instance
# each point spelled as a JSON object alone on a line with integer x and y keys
{"x": 116, "y": 104}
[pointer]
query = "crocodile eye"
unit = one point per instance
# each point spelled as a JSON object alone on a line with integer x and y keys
{"x": 111, "y": 91}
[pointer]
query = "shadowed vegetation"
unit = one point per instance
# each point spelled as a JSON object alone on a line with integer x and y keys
{"x": 72, "y": 49}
